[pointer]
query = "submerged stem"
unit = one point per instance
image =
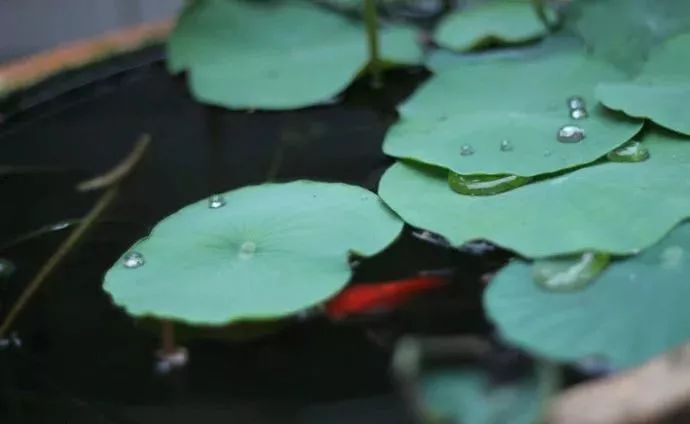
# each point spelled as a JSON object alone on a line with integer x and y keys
{"x": 549, "y": 382}
{"x": 57, "y": 258}
{"x": 167, "y": 337}
{"x": 112, "y": 180}
{"x": 371, "y": 22}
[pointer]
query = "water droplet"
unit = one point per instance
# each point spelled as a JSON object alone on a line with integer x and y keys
{"x": 569, "y": 272}
{"x": 547, "y": 153}
{"x": 632, "y": 151}
{"x": 6, "y": 268}
{"x": 672, "y": 257}
{"x": 506, "y": 146}
{"x": 570, "y": 134}
{"x": 576, "y": 102}
{"x": 247, "y": 250}
{"x": 484, "y": 185}
{"x": 133, "y": 260}
{"x": 579, "y": 114}
{"x": 466, "y": 150}
{"x": 216, "y": 201}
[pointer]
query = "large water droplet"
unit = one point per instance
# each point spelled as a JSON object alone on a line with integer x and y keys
{"x": 133, "y": 260}
{"x": 570, "y": 134}
{"x": 466, "y": 150}
{"x": 6, "y": 268}
{"x": 506, "y": 146}
{"x": 632, "y": 151}
{"x": 247, "y": 250}
{"x": 484, "y": 185}
{"x": 576, "y": 102}
{"x": 216, "y": 201}
{"x": 569, "y": 272}
{"x": 579, "y": 114}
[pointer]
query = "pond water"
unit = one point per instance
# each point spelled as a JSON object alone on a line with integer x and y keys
{"x": 84, "y": 360}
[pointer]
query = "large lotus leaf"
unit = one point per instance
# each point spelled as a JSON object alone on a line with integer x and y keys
{"x": 271, "y": 251}
{"x": 275, "y": 55}
{"x": 622, "y": 32}
{"x": 503, "y": 21}
{"x": 522, "y": 101}
{"x": 661, "y": 92}
{"x": 613, "y": 207}
{"x": 635, "y": 310}
{"x": 468, "y": 396}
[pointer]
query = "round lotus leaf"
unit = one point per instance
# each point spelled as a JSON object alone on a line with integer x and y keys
{"x": 277, "y": 54}
{"x": 271, "y": 251}
{"x": 661, "y": 92}
{"x": 611, "y": 207}
{"x": 634, "y": 311}
{"x": 523, "y": 102}
{"x": 469, "y": 396}
{"x": 501, "y": 21}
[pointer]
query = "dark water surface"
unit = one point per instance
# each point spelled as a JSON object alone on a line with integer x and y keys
{"x": 85, "y": 361}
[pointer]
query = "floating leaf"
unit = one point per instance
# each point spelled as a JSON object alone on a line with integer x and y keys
{"x": 469, "y": 396}
{"x": 271, "y": 251}
{"x": 524, "y": 102}
{"x": 635, "y": 310}
{"x": 611, "y": 207}
{"x": 661, "y": 92}
{"x": 275, "y": 55}
{"x": 504, "y": 21}
{"x": 623, "y": 31}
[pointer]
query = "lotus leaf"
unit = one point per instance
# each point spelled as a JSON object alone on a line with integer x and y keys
{"x": 271, "y": 251}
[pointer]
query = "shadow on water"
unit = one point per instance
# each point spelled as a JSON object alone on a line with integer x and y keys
{"x": 83, "y": 360}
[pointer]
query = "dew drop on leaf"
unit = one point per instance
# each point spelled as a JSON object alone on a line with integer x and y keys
{"x": 506, "y": 146}
{"x": 133, "y": 260}
{"x": 216, "y": 201}
{"x": 466, "y": 150}
{"x": 578, "y": 114}
{"x": 570, "y": 134}
{"x": 632, "y": 151}
{"x": 576, "y": 102}
{"x": 569, "y": 272}
{"x": 484, "y": 185}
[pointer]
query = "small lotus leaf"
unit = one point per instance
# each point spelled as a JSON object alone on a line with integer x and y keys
{"x": 661, "y": 92}
{"x": 275, "y": 55}
{"x": 522, "y": 101}
{"x": 503, "y": 21}
{"x": 468, "y": 396}
{"x": 271, "y": 251}
{"x": 634, "y": 311}
{"x": 611, "y": 207}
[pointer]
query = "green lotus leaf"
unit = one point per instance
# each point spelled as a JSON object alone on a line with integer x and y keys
{"x": 634, "y": 311}
{"x": 521, "y": 101}
{"x": 611, "y": 207}
{"x": 501, "y": 21}
{"x": 623, "y": 32}
{"x": 275, "y": 55}
{"x": 468, "y": 396}
{"x": 662, "y": 90}
{"x": 271, "y": 251}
